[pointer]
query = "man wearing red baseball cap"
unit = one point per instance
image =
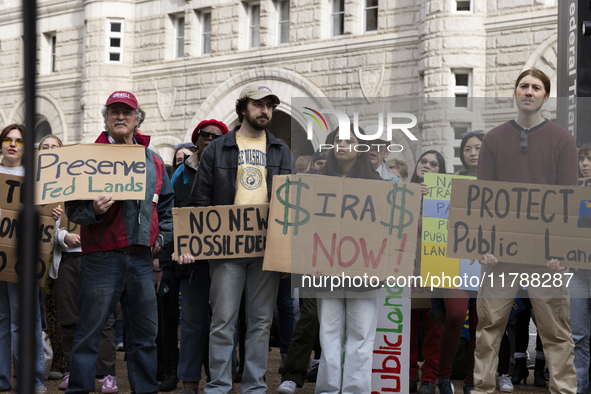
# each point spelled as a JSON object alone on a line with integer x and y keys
{"x": 123, "y": 116}
{"x": 117, "y": 239}
{"x": 238, "y": 169}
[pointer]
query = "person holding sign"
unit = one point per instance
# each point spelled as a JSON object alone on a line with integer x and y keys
{"x": 238, "y": 169}
{"x": 430, "y": 161}
{"x": 528, "y": 149}
{"x": 117, "y": 238}
{"x": 350, "y": 313}
{"x": 194, "y": 278}
{"x": 13, "y": 149}
{"x": 580, "y": 301}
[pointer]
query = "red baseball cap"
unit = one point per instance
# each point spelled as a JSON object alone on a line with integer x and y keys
{"x": 123, "y": 97}
{"x": 205, "y": 123}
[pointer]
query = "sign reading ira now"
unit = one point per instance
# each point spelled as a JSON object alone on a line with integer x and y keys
{"x": 85, "y": 171}
{"x": 342, "y": 226}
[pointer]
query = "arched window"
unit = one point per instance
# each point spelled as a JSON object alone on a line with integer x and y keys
{"x": 42, "y": 128}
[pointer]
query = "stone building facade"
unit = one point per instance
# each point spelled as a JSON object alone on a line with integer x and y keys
{"x": 187, "y": 60}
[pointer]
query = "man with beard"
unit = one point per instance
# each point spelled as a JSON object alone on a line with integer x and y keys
{"x": 237, "y": 169}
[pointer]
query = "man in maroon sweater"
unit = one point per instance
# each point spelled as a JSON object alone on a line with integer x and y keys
{"x": 529, "y": 149}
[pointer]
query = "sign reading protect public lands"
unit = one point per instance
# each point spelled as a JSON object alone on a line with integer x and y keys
{"x": 85, "y": 171}
{"x": 520, "y": 223}
{"x": 221, "y": 232}
{"x": 342, "y": 226}
{"x": 10, "y": 205}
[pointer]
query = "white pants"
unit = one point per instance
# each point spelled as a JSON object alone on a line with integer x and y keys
{"x": 357, "y": 318}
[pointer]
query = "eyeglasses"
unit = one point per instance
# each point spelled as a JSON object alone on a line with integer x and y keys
{"x": 432, "y": 164}
{"x": 17, "y": 142}
{"x": 473, "y": 133}
{"x": 184, "y": 145}
{"x": 207, "y": 134}
{"x": 523, "y": 143}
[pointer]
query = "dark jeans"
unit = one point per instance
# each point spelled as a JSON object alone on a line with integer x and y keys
{"x": 286, "y": 315}
{"x": 105, "y": 278}
{"x": 168, "y": 318}
{"x": 302, "y": 342}
{"x": 194, "y": 322}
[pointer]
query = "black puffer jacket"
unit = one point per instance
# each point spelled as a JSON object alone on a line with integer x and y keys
{"x": 216, "y": 174}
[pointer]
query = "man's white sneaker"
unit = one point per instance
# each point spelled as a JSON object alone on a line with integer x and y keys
{"x": 505, "y": 385}
{"x": 287, "y": 387}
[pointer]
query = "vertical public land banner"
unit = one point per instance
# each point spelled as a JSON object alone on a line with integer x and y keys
{"x": 434, "y": 262}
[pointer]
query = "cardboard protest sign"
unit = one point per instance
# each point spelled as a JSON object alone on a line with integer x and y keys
{"x": 434, "y": 263}
{"x": 84, "y": 171}
{"x": 221, "y": 232}
{"x": 586, "y": 182}
{"x": 520, "y": 223}
{"x": 342, "y": 226}
{"x": 10, "y": 205}
{"x": 390, "y": 368}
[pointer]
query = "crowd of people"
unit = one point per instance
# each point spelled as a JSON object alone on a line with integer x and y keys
{"x": 122, "y": 260}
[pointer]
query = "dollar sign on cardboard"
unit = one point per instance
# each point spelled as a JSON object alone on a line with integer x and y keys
{"x": 287, "y": 206}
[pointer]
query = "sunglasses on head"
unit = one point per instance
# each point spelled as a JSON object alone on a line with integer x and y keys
{"x": 17, "y": 142}
{"x": 207, "y": 134}
{"x": 184, "y": 145}
{"x": 473, "y": 133}
{"x": 523, "y": 143}
{"x": 432, "y": 164}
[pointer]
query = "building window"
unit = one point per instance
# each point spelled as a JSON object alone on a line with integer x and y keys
{"x": 371, "y": 15}
{"x": 462, "y": 88}
{"x": 337, "y": 15}
{"x": 115, "y": 40}
{"x": 459, "y": 129}
{"x": 254, "y": 25}
{"x": 179, "y": 37}
{"x": 52, "y": 42}
{"x": 283, "y": 21}
{"x": 464, "y": 5}
{"x": 206, "y": 33}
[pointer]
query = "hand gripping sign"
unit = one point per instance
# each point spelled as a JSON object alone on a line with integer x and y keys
{"x": 342, "y": 226}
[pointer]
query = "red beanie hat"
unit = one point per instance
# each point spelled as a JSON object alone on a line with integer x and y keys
{"x": 205, "y": 123}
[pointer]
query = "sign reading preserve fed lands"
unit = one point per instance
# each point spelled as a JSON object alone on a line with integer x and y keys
{"x": 221, "y": 232}
{"x": 10, "y": 205}
{"x": 85, "y": 171}
{"x": 520, "y": 223}
{"x": 342, "y": 226}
